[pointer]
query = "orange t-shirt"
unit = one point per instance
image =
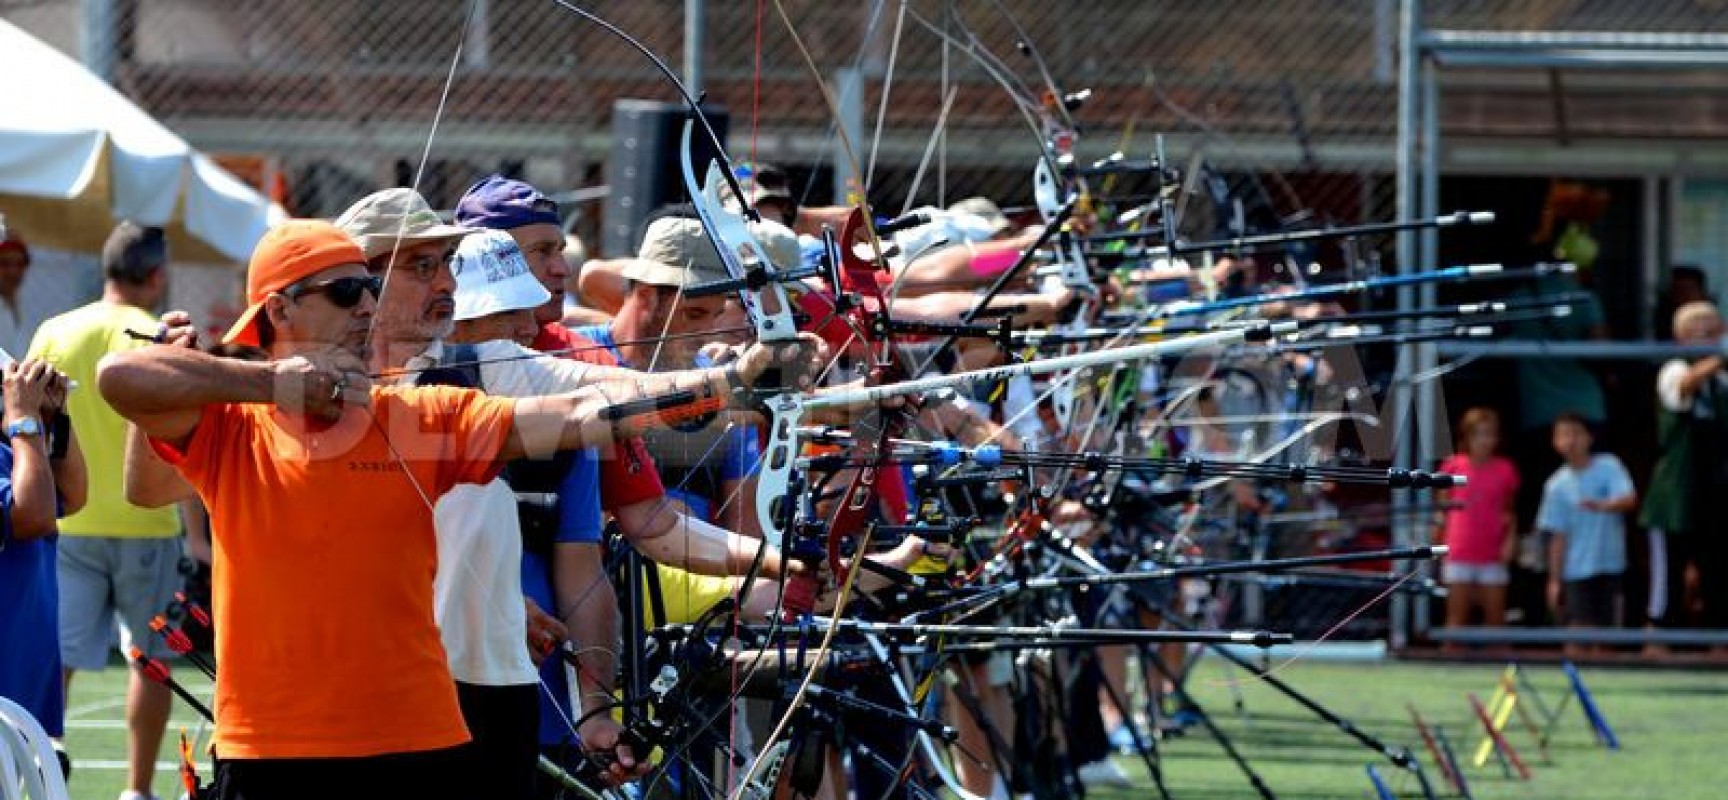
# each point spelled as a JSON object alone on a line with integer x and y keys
{"x": 324, "y": 558}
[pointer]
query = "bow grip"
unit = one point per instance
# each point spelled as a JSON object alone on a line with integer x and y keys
{"x": 647, "y": 405}
{"x": 799, "y": 597}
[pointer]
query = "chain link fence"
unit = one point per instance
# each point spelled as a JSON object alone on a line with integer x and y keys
{"x": 1290, "y": 105}
{"x": 1279, "y": 113}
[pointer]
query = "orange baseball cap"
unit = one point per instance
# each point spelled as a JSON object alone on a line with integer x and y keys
{"x": 288, "y": 253}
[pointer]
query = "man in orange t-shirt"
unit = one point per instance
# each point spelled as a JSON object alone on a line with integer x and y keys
{"x": 321, "y": 489}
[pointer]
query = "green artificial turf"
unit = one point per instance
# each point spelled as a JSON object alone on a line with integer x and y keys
{"x": 1672, "y": 725}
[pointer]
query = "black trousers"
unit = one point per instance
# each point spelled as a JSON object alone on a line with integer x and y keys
{"x": 429, "y": 775}
{"x": 1706, "y": 550}
{"x": 505, "y": 722}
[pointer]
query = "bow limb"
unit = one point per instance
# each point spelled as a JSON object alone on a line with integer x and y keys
{"x": 851, "y": 276}
{"x": 866, "y": 306}
{"x": 770, "y": 313}
{"x": 769, "y": 310}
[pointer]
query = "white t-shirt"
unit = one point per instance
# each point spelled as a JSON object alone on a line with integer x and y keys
{"x": 477, "y": 594}
{"x": 1668, "y": 390}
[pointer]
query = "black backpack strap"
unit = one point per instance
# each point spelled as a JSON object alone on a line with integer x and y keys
{"x": 536, "y": 481}
{"x": 457, "y": 367}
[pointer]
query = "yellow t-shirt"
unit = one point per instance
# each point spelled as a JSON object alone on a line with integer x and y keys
{"x": 687, "y": 595}
{"x": 74, "y": 342}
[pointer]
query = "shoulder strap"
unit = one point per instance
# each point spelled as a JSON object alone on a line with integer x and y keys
{"x": 458, "y": 367}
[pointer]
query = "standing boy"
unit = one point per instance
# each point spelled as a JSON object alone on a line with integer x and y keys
{"x": 1582, "y": 504}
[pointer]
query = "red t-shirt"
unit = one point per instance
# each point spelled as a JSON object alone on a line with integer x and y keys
{"x": 1476, "y": 532}
{"x": 627, "y": 473}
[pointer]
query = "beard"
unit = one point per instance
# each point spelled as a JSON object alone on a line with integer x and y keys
{"x": 439, "y": 329}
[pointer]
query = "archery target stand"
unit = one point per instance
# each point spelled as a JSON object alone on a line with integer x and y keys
{"x": 1440, "y": 750}
{"x": 1592, "y": 713}
{"x": 1509, "y": 699}
{"x": 1496, "y": 743}
{"x": 1541, "y": 718}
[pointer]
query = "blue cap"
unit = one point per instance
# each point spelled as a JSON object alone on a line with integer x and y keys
{"x": 499, "y": 203}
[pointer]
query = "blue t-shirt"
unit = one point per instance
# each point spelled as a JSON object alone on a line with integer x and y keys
{"x": 694, "y": 477}
{"x": 1595, "y": 540}
{"x": 578, "y": 523}
{"x": 29, "y": 617}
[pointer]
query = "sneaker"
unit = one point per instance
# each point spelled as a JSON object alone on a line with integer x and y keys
{"x": 1122, "y": 741}
{"x": 1106, "y": 773}
{"x": 1185, "y": 717}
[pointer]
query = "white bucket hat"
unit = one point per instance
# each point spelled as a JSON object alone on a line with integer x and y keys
{"x": 492, "y": 276}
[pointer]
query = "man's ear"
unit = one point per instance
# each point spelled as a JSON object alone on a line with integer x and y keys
{"x": 276, "y": 309}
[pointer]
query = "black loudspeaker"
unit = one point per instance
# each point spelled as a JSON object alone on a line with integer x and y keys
{"x": 645, "y": 173}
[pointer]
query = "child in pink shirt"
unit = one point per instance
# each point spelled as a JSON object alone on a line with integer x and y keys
{"x": 1479, "y": 534}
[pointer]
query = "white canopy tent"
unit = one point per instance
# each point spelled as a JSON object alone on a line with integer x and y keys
{"x": 76, "y": 155}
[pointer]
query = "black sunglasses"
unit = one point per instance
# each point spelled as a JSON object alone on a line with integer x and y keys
{"x": 342, "y": 292}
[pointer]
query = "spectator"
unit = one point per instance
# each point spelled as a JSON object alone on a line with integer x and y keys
{"x": 14, "y": 262}
{"x": 1480, "y": 534}
{"x": 770, "y": 192}
{"x": 531, "y": 218}
{"x": 1684, "y": 520}
{"x": 35, "y": 481}
{"x": 118, "y": 563}
{"x": 1582, "y": 504}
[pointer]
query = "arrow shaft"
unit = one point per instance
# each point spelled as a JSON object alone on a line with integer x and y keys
{"x": 874, "y": 394}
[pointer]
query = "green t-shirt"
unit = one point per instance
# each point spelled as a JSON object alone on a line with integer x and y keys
{"x": 75, "y": 342}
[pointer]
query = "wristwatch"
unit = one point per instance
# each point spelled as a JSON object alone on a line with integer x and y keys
{"x": 23, "y": 426}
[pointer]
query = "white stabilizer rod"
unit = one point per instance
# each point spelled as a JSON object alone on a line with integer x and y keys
{"x": 1077, "y": 361}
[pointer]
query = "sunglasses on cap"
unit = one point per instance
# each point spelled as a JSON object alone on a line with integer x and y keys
{"x": 341, "y": 292}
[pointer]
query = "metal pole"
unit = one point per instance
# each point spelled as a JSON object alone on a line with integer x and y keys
{"x": 1385, "y": 48}
{"x": 1431, "y": 423}
{"x": 477, "y": 48}
{"x": 849, "y": 96}
{"x": 1650, "y": 224}
{"x": 1409, "y": 22}
{"x": 695, "y": 34}
{"x": 99, "y": 37}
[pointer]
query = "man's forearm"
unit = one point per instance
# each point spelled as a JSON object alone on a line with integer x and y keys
{"x": 593, "y": 626}
{"x": 622, "y": 384}
{"x": 1697, "y": 374}
{"x": 589, "y": 609}
{"x": 574, "y": 420}
{"x": 32, "y": 511}
{"x": 672, "y": 537}
{"x": 149, "y": 481}
{"x": 1625, "y": 504}
{"x": 160, "y": 379}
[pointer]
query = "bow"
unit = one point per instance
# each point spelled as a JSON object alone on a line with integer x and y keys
{"x": 860, "y": 297}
